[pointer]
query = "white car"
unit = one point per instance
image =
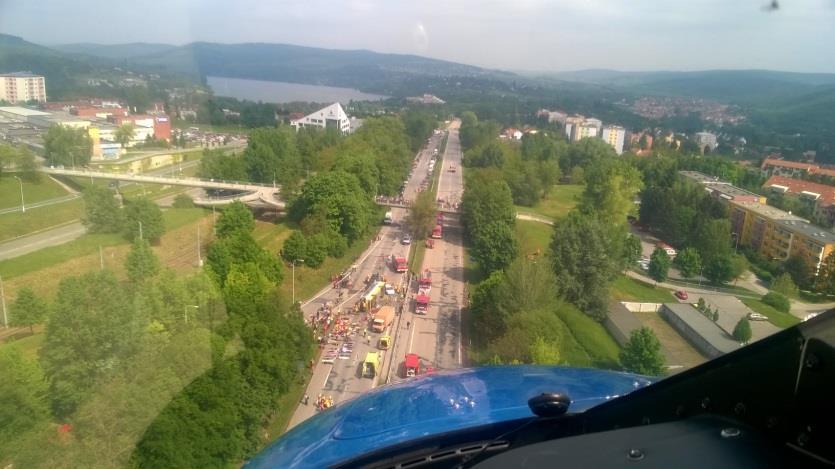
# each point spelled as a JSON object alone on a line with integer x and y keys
{"x": 407, "y": 239}
{"x": 390, "y": 289}
{"x": 757, "y": 317}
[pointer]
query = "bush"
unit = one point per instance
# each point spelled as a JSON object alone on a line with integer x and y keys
{"x": 742, "y": 331}
{"x": 183, "y": 201}
{"x": 777, "y": 301}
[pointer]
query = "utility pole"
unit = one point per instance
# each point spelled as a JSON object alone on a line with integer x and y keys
{"x": 22, "y": 204}
{"x": 101, "y": 258}
{"x": 3, "y": 303}
{"x": 140, "y": 229}
{"x": 199, "y": 255}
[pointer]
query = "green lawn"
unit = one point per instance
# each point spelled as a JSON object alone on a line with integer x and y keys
{"x": 13, "y": 225}
{"x": 592, "y": 336}
{"x": 45, "y": 189}
{"x": 87, "y": 244}
{"x": 533, "y": 237}
{"x": 778, "y": 318}
{"x": 628, "y": 289}
{"x": 559, "y": 200}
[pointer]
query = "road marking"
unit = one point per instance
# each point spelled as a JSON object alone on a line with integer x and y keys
{"x": 327, "y": 377}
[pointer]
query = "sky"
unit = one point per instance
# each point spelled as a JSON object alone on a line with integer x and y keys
{"x": 534, "y": 35}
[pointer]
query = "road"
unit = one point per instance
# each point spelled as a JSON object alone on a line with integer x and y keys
{"x": 342, "y": 380}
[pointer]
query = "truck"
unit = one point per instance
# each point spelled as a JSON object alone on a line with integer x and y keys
{"x": 421, "y": 303}
{"x": 399, "y": 264}
{"x": 371, "y": 365}
{"x": 438, "y": 231}
{"x": 412, "y": 365}
{"x": 389, "y": 219}
{"x": 382, "y": 318}
{"x": 425, "y": 282}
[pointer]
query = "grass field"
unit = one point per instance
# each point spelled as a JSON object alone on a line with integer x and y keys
{"x": 45, "y": 189}
{"x": 589, "y": 334}
{"x": 628, "y": 289}
{"x": 533, "y": 237}
{"x": 778, "y": 318}
{"x": 16, "y": 224}
{"x": 559, "y": 200}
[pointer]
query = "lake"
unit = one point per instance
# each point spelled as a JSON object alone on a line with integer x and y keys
{"x": 283, "y": 92}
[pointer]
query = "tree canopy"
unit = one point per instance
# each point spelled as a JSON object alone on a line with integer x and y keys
{"x": 642, "y": 353}
{"x": 67, "y": 146}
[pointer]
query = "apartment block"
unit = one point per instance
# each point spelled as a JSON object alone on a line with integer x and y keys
{"x": 21, "y": 87}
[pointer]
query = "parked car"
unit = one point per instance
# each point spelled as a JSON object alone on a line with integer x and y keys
{"x": 757, "y": 317}
{"x": 681, "y": 295}
{"x": 407, "y": 239}
{"x": 390, "y": 289}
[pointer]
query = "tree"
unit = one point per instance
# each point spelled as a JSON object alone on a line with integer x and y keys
{"x": 489, "y": 221}
{"x": 183, "y": 201}
{"x": 719, "y": 270}
{"x": 421, "y": 217}
{"x": 143, "y": 216}
{"x": 659, "y": 265}
{"x": 544, "y": 352}
{"x": 102, "y": 213}
{"x": 587, "y": 254}
{"x": 91, "y": 333}
{"x": 241, "y": 248}
{"x": 218, "y": 164}
{"x": 777, "y": 301}
{"x": 67, "y": 146}
{"x": 612, "y": 185}
{"x": 141, "y": 263}
{"x": 338, "y": 196}
{"x": 236, "y": 218}
{"x": 784, "y": 285}
{"x": 271, "y": 155}
{"x": 577, "y": 175}
{"x": 294, "y": 247}
{"x": 28, "y": 309}
{"x": 124, "y": 134}
{"x": 24, "y": 403}
{"x": 801, "y": 270}
{"x": 633, "y": 249}
{"x": 642, "y": 353}
{"x": 494, "y": 245}
{"x": 742, "y": 331}
{"x": 688, "y": 262}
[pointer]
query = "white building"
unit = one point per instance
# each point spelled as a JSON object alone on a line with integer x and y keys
{"x": 705, "y": 139}
{"x": 331, "y": 117}
{"x": 584, "y": 130}
{"x": 20, "y": 87}
{"x": 614, "y": 135}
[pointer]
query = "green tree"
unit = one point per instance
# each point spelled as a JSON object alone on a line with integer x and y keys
{"x": 611, "y": 188}
{"x": 489, "y": 221}
{"x": 141, "y": 263}
{"x": 421, "y": 218}
{"x": 236, "y": 218}
{"x": 586, "y": 255}
{"x": 340, "y": 198}
{"x": 544, "y": 352}
{"x": 219, "y": 164}
{"x": 124, "y": 134}
{"x": 102, "y": 213}
{"x": 271, "y": 155}
{"x": 143, "y": 216}
{"x": 719, "y": 270}
{"x": 24, "y": 404}
{"x": 688, "y": 262}
{"x": 294, "y": 247}
{"x": 801, "y": 270}
{"x": 739, "y": 265}
{"x": 241, "y": 248}
{"x": 633, "y": 250}
{"x": 642, "y": 353}
{"x": 777, "y": 301}
{"x": 67, "y": 146}
{"x": 92, "y": 331}
{"x": 183, "y": 201}
{"x": 785, "y": 285}
{"x": 578, "y": 175}
{"x": 28, "y": 309}
{"x": 659, "y": 265}
{"x": 742, "y": 331}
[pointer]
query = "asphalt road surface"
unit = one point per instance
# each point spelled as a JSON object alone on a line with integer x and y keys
{"x": 343, "y": 379}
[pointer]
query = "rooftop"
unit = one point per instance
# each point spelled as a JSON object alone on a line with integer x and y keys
{"x": 797, "y": 186}
{"x": 19, "y": 75}
{"x": 703, "y": 326}
{"x": 767, "y": 211}
{"x": 730, "y": 190}
{"x": 701, "y": 177}
{"x": 22, "y": 111}
{"x": 807, "y": 229}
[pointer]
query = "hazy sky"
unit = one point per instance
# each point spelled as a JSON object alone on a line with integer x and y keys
{"x": 508, "y": 34}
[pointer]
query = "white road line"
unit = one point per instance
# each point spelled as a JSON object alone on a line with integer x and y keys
{"x": 327, "y": 376}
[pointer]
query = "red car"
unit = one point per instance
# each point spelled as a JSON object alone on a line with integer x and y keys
{"x": 681, "y": 295}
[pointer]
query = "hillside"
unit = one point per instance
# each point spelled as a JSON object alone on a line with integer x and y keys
{"x": 114, "y": 51}
{"x": 59, "y": 69}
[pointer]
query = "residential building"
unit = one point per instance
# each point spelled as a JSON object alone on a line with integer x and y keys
{"x": 425, "y": 99}
{"x": 511, "y": 133}
{"x": 331, "y": 117}
{"x": 21, "y": 87}
{"x": 779, "y": 235}
{"x": 775, "y": 166}
{"x": 820, "y": 196}
{"x": 705, "y": 140}
{"x": 571, "y": 124}
{"x": 614, "y": 136}
{"x": 552, "y": 116}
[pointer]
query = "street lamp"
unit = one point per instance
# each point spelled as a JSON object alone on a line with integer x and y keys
{"x": 736, "y": 241}
{"x": 185, "y": 311}
{"x": 294, "y": 279}
{"x": 22, "y": 204}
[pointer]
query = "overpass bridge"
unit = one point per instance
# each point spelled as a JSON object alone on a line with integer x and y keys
{"x": 248, "y": 192}
{"x": 442, "y": 208}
